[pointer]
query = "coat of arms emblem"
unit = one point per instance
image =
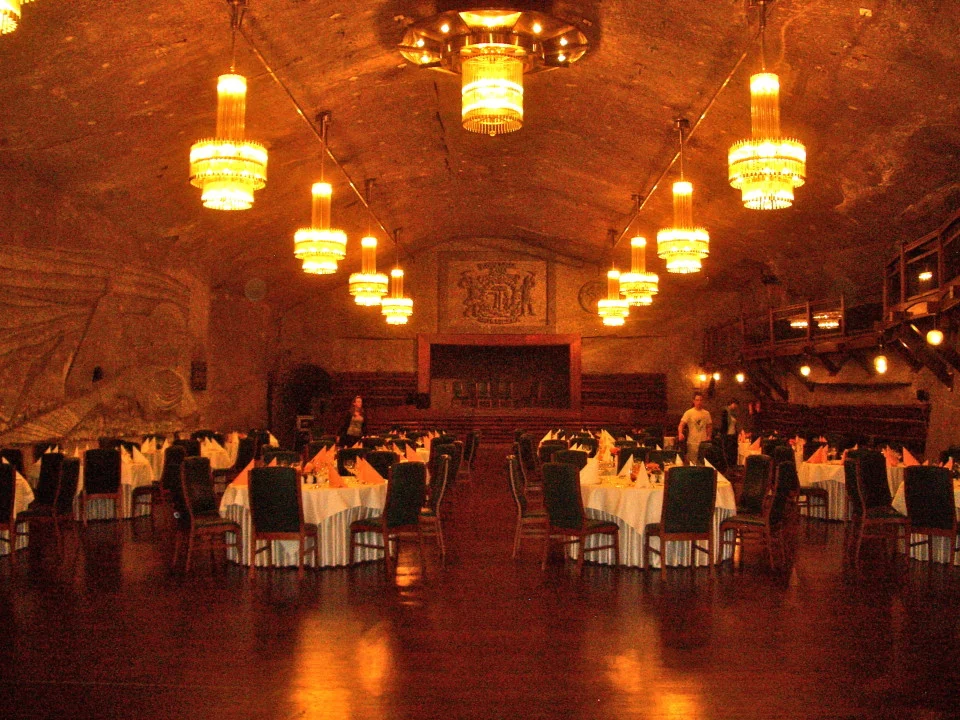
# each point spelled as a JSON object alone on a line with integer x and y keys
{"x": 497, "y": 293}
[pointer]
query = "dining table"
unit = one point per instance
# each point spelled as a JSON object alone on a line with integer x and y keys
{"x": 23, "y": 496}
{"x": 941, "y": 545}
{"x": 331, "y": 508}
{"x": 633, "y": 506}
{"x": 830, "y": 475}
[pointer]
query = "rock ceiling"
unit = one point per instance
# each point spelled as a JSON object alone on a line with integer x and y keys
{"x": 103, "y": 100}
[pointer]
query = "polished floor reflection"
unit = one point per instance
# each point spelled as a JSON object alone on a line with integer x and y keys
{"x": 111, "y": 633}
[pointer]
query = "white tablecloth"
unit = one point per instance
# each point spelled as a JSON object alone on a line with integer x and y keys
{"x": 333, "y": 509}
{"x": 219, "y": 456}
{"x": 23, "y": 496}
{"x": 941, "y": 545}
{"x": 132, "y": 474}
{"x": 831, "y": 477}
{"x": 633, "y": 508}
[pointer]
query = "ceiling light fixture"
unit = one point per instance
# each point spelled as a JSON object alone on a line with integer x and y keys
{"x": 10, "y": 13}
{"x": 320, "y": 246}
{"x": 766, "y": 168}
{"x": 805, "y": 370}
{"x": 741, "y": 377}
{"x": 492, "y": 50}
{"x": 827, "y": 320}
{"x": 880, "y": 364}
{"x": 396, "y": 308}
{"x": 228, "y": 168}
{"x": 613, "y": 309}
{"x": 368, "y": 286}
{"x": 683, "y": 246}
{"x": 638, "y": 286}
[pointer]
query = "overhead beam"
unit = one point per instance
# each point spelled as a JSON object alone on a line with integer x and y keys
{"x": 913, "y": 341}
{"x": 771, "y": 381}
{"x": 833, "y": 368}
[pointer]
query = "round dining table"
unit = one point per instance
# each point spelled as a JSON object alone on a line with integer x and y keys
{"x": 633, "y": 507}
{"x": 830, "y": 475}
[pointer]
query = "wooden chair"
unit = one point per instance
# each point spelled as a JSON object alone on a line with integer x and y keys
{"x": 101, "y": 481}
{"x": 577, "y": 458}
{"x": 246, "y": 451}
{"x": 689, "y": 500}
{"x": 568, "y": 524}
{"x": 548, "y": 448}
{"x": 8, "y": 504}
{"x": 469, "y": 453}
{"x": 757, "y": 479}
{"x": 530, "y": 523}
{"x": 382, "y": 461}
{"x": 931, "y": 508}
{"x": 195, "y": 508}
{"x": 276, "y": 513}
{"x": 406, "y": 494}
{"x": 872, "y": 512}
{"x": 430, "y": 514}
{"x": 14, "y": 456}
{"x": 62, "y": 476}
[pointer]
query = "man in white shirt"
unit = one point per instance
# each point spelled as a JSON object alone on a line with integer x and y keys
{"x": 695, "y": 427}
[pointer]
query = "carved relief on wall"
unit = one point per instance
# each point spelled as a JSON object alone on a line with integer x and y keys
{"x": 62, "y": 314}
{"x": 494, "y": 292}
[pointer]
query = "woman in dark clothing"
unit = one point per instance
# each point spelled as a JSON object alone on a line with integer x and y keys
{"x": 354, "y": 424}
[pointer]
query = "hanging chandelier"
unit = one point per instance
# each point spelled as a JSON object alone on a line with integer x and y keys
{"x": 10, "y": 15}
{"x": 368, "y": 286}
{"x": 638, "y": 286}
{"x": 228, "y": 169}
{"x": 396, "y": 308}
{"x": 683, "y": 246}
{"x": 766, "y": 168}
{"x": 492, "y": 50}
{"x": 613, "y": 309}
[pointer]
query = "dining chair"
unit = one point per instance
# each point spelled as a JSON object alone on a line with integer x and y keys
{"x": 470, "y": 447}
{"x": 689, "y": 502}
{"x": 548, "y": 448}
{"x": 577, "y": 458}
{"x": 483, "y": 394}
{"x": 190, "y": 447}
{"x": 14, "y": 456}
{"x": 8, "y": 505}
{"x": 455, "y": 452}
{"x": 431, "y": 513}
{"x": 348, "y": 457}
{"x": 246, "y": 451}
{"x": 931, "y": 509}
{"x": 101, "y": 481}
{"x": 108, "y": 443}
{"x": 371, "y": 442}
{"x": 400, "y": 519}
{"x": 530, "y": 522}
{"x": 62, "y": 475}
{"x": 637, "y": 452}
{"x": 197, "y": 515}
{"x": 709, "y": 452}
{"x": 868, "y": 493}
{"x": 810, "y": 497}
{"x": 757, "y": 478}
{"x": 568, "y": 524}
{"x": 284, "y": 458}
{"x": 276, "y": 513}
{"x": 382, "y": 461}
{"x": 161, "y": 491}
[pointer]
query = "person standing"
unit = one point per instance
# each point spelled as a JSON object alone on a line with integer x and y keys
{"x": 354, "y": 424}
{"x": 695, "y": 427}
{"x": 730, "y": 430}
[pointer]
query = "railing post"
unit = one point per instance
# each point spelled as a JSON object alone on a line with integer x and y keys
{"x": 809, "y": 322}
{"x": 843, "y": 314}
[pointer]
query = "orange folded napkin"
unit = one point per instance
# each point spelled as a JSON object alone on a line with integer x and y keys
{"x": 318, "y": 460}
{"x": 908, "y": 459}
{"x": 948, "y": 464}
{"x": 272, "y": 463}
{"x": 333, "y": 477}
{"x": 243, "y": 477}
{"x": 273, "y": 441}
{"x": 366, "y": 474}
{"x": 396, "y": 450}
{"x": 819, "y": 457}
{"x": 756, "y": 444}
{"x": 891, "y": 456}
{"x": 356, "y": 445}
{"x": 411, "y": 455}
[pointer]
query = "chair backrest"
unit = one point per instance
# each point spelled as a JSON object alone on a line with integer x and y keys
{"x": 689, "y": 499}
{"x": 951, "y": 452}
{"x": 198, "y": 494}
{"x": 515, "y": 479}
{"x": 637, "y": 452}
{"x": 382, "y": 461}
{"x": 129, "y": 445}
{"x": 661, "y": 457}
{"x": 284, "y": 458}
{"x": 561, "y": 496}
{"x": 46, "y": 490}
{"x": 783, "y": 453}
{"x": 348, "y": 456}
{"x": 371, "y": 442}
{"x": 873, "y": 479}
{"x": 712, "y": 453}
{"x": 8, "y": 492}
{"x": 276, "y": 505}
{"x": 577, "y": 458}
{"x": 246, "y": 451}
{"x": 14, "y": 456}
{"x": 527, "y": 452}
{"x": 173, "y": 458}
{"x": 191, "y": 447}
{"x": 768, "y": 446}
{"x": 445, "y": 439}
{"x": 108, "y": 443}
{"x": 67, "y": 487}
{"x": 261, "y": 441}
{"x": 625, "y": 443}
{"x": 314, "y": 446}
{"x": 470, "y": 447}
{"x": 786, "y": 489}
{"x": 548, "y": 448}
{"x": 850, "y": 473}
{"x": 101, "y": 472}
{"x": 589, "y": 444}
{"x": 930, "y": 499}
{"x": 406, "y": 494}
{"x": 757, "y": 475}
{"x": 439, "y": 480}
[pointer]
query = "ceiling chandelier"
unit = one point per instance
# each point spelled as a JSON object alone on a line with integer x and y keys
{"x": 683, "y": 246}
{"x": 368, "y": 286}
{"x": 613, "y": 309}
{"x": 320, "y": 246}
{"x": 492, "y": 50}
{"x": 827, "y": 320}
{"x": 396, "y": 308}
{"x": 10, "y": 15}
{"x": 766, "y": 168}
{"x": 228, "y": 169}
{"x": 638, "y": 286}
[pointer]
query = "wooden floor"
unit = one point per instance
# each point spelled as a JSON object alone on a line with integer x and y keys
{"x": 113, "y": 634}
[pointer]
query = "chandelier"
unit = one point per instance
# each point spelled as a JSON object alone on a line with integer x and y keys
{"x": 228, "y": 169}
{"x": 827, "y": 320}
{"x": 10, "y": 15}
{"x": 613, "y": 309}
{"x": 638, "y": 286}
{"x": 683, "y": 246}
{"x": 368, "y": 286}
{"x": 766, "y": 168}
{"x": 492, "y": 50}
{"x": 396, "y": 308}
